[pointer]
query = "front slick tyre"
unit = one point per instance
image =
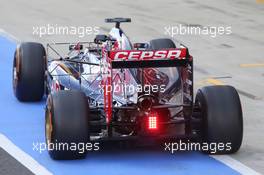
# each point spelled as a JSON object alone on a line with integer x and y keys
{"x": 29, "y": 67}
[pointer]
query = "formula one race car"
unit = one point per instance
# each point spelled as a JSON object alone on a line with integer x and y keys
{"x": 111, "y": 89}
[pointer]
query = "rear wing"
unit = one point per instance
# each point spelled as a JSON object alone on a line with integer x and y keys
{"x": 149, "y": 58}
{"x": 119, "y": 59}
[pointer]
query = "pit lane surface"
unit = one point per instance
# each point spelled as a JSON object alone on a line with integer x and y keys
{"x": 235, "y": 59}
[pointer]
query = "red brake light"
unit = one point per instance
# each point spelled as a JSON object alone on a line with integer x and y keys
{"x": 152, "y": 122}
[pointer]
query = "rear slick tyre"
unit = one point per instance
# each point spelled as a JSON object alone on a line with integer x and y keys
{"x": 67, "y": 114}
{"x": 222, "y": 120}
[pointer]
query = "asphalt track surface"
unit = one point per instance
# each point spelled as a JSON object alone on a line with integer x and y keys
{"x": 235, "y": 59}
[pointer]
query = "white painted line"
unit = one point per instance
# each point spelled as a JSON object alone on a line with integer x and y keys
{"x": 234, "y": 164}
{"x": 9, "y": 36}
{"x": 22, "y": 157}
